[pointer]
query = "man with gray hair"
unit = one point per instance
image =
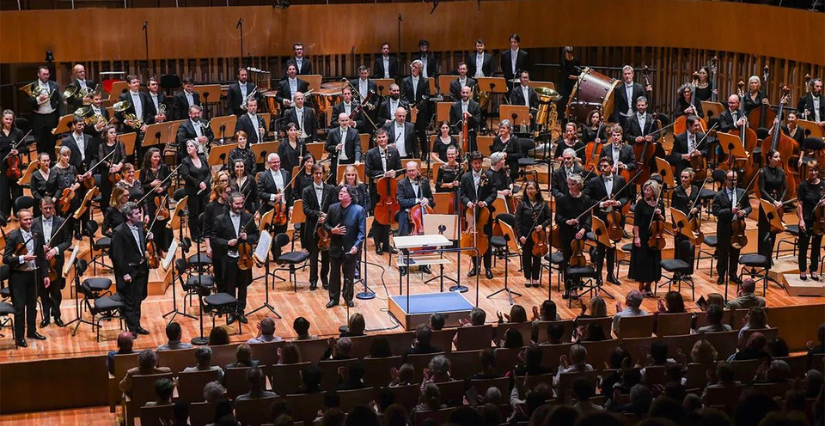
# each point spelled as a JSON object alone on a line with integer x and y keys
{"x": 633, "y": 309}
{"x": 416, "y": 90}
{"x": 266, "y": 332}
{"x": 569, "y": 168}
{"x": 130, "y": 268}
{"x": 203, "y": 356}
{"x": 746, "y": 299}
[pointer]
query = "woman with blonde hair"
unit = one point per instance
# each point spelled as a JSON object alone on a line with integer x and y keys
{"x": 113, "y": 217}
{"x": 351, "y": 179}
{"x": 644, "y": 260}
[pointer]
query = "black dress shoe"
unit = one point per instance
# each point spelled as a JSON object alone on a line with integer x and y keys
{"x": 36, "y": 336}
{"x": 45, "y": 323}
{"x": 489, "y": 274}
{"x": 59, "y": 322}
{"x": 141, "y": 330}
{"x": 379, "y": 252}
{"x": 472, "y": 272}
{"x": 720, "y": 281}
{"x": 426, "y": 269}
{"x": 350, "y": 304}
{"x": 599, "y": 281}
{"x": 392, "y": 250}
{"x": 313, "y": 286}
{"x": 612, "y": 280}
{"x": 403, "y": 271}
{"x": 565, "y": 295}
{"x": 134, "y": 335}
{"x": 242, "y": 319}
{"x": 332, "y": 303}
{"x": 22, "y": 343}
{"x": 230, "y": 319}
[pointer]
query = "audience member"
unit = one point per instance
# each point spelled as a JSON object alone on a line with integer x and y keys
{"x": 530, "y": 362}
{"x": 517, "y": 315}
{"x": 703, "y": 352}
{"x": 355, "y": 326}
{"x": 812, "y": 384}
{"x": 753, "y": 407}
{"x": 333, "y": 417}
{"x": 361, "y": 415}
{"x": 396, "y": 415}
{"x": 577, "y": 362}
{"x": 125, "y": 343}
{"x": 555, "y": 333}
{"x": 180, "y": 414}
{"x": 218, "y": 336}
{"x": 147, "y": 364}
{"x": 213, "y": 392}
{"x": 584, "y": 389}
{"x": 163, "y": 389}
{"x": 354, "y": 379}
{"x": 777, "y": 347}
{"x": 715, "y": 314}
{"x": 338, "y": 350}
{"x": 487, "y": 359}
{"x": 203, "y": 357}
{"x": 430, "y": 399}
{"x": 243, "y": 358}
{"x": 465, "y": 416}
{"x": 174, "y": 333}
{"x": 301, "y": 327}
{"x": 421, "y": 344}
{"x": 403, "y": 376}
{"x": 439, "y": 370}
{"x": 490, "y": 415}
{"x": 437, "y": 321}
{"x": 311, "y": 379}
{"x": 512, "y": 339}
{"x": 255, "y": 380}
{"x": 380, "y": 347}
{"x": 634, "y": 303}
{"x": 289, "y": 354}
{"x": 746, "y": 299}
{"x": 266, "y": 332}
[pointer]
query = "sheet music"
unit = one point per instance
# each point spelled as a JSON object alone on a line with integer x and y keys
{"x": 71, "y": 261}
{"x": 170, "y": 255}
{"x": 264, "y": 244}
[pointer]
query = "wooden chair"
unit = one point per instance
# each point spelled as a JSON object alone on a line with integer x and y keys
{"x": 361, "y": 346}
{"x": 769, "y": 333}
{"x": 818, "y": 363}
{"x": 506, "y": 359}
{"x": 724, "y": 342}
{"x": 201, "y": 413}
{"x": 566, "y": 380}
{"x": 440, "y": 416}
{"x": 329, "y": 372}
{"x": 655, "y": 375}
{"x": 286, "y": 378}
{"x": 725, "y": 397}
{"x": 684, "y": 342}
{"x": 605, "y": 322}
{"x": 567, "y": 336}
{"x": 443, "y": 339}
{"x": 351, "y": 398}
{"x": 640, "y": 326}
{"x": 743, "y": 371}
{"x": 474, "y": 337}
{"x": 122, "y": 364}
{"x": 524, "y": 328}
{"x": 696, "y": 376}
{"x": 673, "y": 324}
{"x": 452, "y": 393}
{"x": 156, "y": 415}
{"x": 406, "y": 395}
{"x": 400, "y": 342}
{"x": 773, "y": 390}
{"x": 533, "y": 381}
{"x": 639, "y": 347}
{"x": 738, "y": 318}
{"x": 266, "y": 353}
{"x": 598, "y": 353}
{"x": 236, "y": 383}
{"x": 223, "y": 354}
{"x": 177, "y": 359}
{"x": 305, "y": 406}
{"x": 464, "y": 364}
{"x": 311, "y": 350}
{"x": 420, "y": 362}
{"x": 378, "y": 370}
{"x": 143, "y": 391}
{"x": 191, "y": 384}
{"x": 481, "y": 385}
{"x": 550, "y": 354}
{"x": 254, "y": 412}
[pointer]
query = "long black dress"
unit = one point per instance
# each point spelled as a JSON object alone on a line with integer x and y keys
{"x": 66, "y": 177}
{"x": 246, "y": 155}
{"x": 680, "y": 200}
{"x": 192, "y": 176}
{"x": 704, "y": 93}
{"x": 644, "y": 260}
{"x": 291, "y": 157}
{"x": 9, "y": 189}
{"x": 772, "y": 187}
{"x": 809, "y": 195}
{"x": 42, "y": 187}
{"x": 163, "y": 236}
{"x": 447, "y": 174}
{"x": 249, "y": 189}
{"x": 570, "y": 207}
{"x": 119, "y": 156}
{"x": 440, "y": 148}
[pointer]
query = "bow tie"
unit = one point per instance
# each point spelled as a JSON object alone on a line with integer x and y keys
{"x": 608, "y": 179}
{"x": 234, "y": 216}
{"x": 319, "y": 188}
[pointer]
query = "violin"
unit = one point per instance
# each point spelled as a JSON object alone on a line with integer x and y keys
{"x": 152, "y": 254}
{"x": 161, "y": 211}
{"x": 13, "y": 161}
{"x": 540, "y": 246}
{"x": 245, "y": 251}
{"x": 323, "y": 236}
{"x": 694, "y": 222}
{"x": 738, "y": 239}
{"x": 657, "y": 228}
{"x": 65, "y": 200}
{"x": 279, "y": 215}
{"x": 115, "y": 177}
{"x": 614, "y": 225}
{"x": 387, "y": 205}
{"x": 577, "y": 259}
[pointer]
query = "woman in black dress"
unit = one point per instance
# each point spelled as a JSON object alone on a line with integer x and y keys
{"x": 449, "y": 173}
{"x": 113, "y": 217}
{"x": 644, "y": 260}
{"x": 754, "y": 97}
{"x": 811, "y": 194}
{"x": 791, "y": 129}
{"x": 152, "y": 175}
{"x": 683, "y": 199}
{"x": 571, "y": 140}
{"x": 197, "y": 176}
{"x": 243, "y": 152}
{"x": 532, "y": 215}
{"x": 704, "y": 90}
{"x": 291, "y": 148}
{"x": 112, "y": 165}
{"x": 218, "y": 205}
{"x": 67, "y": 177}
{"x": 43, "y": 182}
{"x": 9, "y": 137}
{"x": 510, "y": 145}
{"x": 773, "y": 187}
{"x": 590, "y": 130}
{"x": 442, "y": 141}
{"x": 686, "y": 102}
{"x": 244, "y": 183}
{"x": 130, "y": 183}
{"x": 351, "y": 180}
{"x": 568, "y": 209}
{"x": 304, "y": 178}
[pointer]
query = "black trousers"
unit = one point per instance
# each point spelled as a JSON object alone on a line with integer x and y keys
{"x": 488, "y": 259}
{"x": 381, "y": 235}
{"x": 52, "y": 297}
{"x": 531, "y": 264}
{"x": 24, "y": 298}
{"x": 815, "y": 242}
{"x": 337, "y": 264}
{"x": 313, "y": 266}
{"x": 601, "y": 251}
{"x": 42, "y": 125}
{"x": 236, "y": 280}
{"x": 217, "y": 268}
{"x": 9, "y": 191}
{"x": 196, "y": 205}
{"x": 132, "y": 294}
{"x": 728, "y": 259}
{"x": 767, "y": 239}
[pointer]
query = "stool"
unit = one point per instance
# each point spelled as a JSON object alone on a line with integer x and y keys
{"x": 221, "y": 304}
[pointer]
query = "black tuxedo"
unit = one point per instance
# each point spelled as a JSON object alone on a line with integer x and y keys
{"x": 352, "y": 147}
{"x": 236, "y": 280}
{"x": 620, "y": 102}
{"x": 517, "y": 97}
{"x": 145, "y": 110}
{"x": 284, "y": 92}
{"x": 186, "y": 132}
{"x": 267, "y": 188}
{"x": 153, "y": 110}
{"x": 432, "y": 63}
{"x": 23, "y": 282}
{"x": 358, "y": 117}
{"x": 807, "y": 103}
{"x": 457, "y": 122}
{"x": 559, "y": 186}
{"x": 251, "y": 129}
{"x": 309, "y": 125}
{"x": 371, "y": 87}
{"x": 90, "y": 152}
{"x": 626, "y": 155}
{"x": 90, "y": 129}
{"x": 373, "y": 167}
{"x": 455, "y": 87}
{"x": 378, "y": 67}
{"x": 596, "y": 189}
{"x": 722, "y": 209}
{"x": 522, "y": 64}
{"x": 306, "y": 65}
{"x": 727, "y": 122}
{"x": 309, "y": 235}
{"x": 76, "y": 101}
{"x": 42, "y": 124}
{"x": 234, "y": 97}
{"x": 128, "y": 259}
{"x": 410, "y": 141}
{"x": 407, "y": 199}
{"x": 181, "y": 104}
{"x": 486, "y": 66}
{"x": 417, "y": 98}
{"x": 52, "y": 297}
{"x": 487, "y": 192}
{"x": 680, "y": 147}
{"x": 633, "y": 128}
{"x": 387, "y": 112}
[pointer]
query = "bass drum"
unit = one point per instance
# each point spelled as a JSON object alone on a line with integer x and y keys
{"x": 594, "y": 90}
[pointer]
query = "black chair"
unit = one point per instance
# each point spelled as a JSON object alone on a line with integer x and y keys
{"x": 587, "y": 275}
{"x": 24, "y": 202}
{"x": 96, "y": 301}
{"x": 95, "y": 202}
{"x": 292, "y": 259}
{"x": 6, "y": 308}
{"x": 199, "y": 261}
{"x": 626, "y": 248}
{"x": 554, "y": 260}
{"x": 680, "y": 269}
{"x": 194, "y": 285}
{"x": 102, "y": 245}
{"x": 758, "y": 267}
{"x": 794, "y": 231}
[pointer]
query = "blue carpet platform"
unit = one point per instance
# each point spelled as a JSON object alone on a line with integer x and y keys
{"x": 452, "y": 305}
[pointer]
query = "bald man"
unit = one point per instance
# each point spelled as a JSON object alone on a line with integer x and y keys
{"x": 343, "y": 144}
{"x": 732, "y": 117}
{"x": 303, "y": 117}
{"x": 80, "y": 82}
{"x": 402, "y": 135}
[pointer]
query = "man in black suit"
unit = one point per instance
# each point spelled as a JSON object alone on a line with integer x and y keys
{"x": 47, "y": 107}
{"x": 304, "y": 117}
{"x": 567, "y": 169}
{"x": 416, "y": 90}
{"x": 138, "y": 107}
{"x": 288, "y": 87}
{"x": 568, "y": 75}
{"x": 624, "y": 158}
{"x": 625, "y": 96}
{"x": 385, "y": 65}
{"x": 523, "y": 94}
{"x": 238, "y": 92}
{"x": 232, "y": 230}
{"x": 343, "y": 145}
{"x": 402, "y": 135}
{"x": 346, "y": 223}
{"x": 25, "y": 275}
{"x": 382, "y": 161}
{"x": 96, "y": 108}
{"x": 273, "y": 188}
{"x": 686, "y": 145}
{"x": 83, "y": 88}
{"x": 429, "y": 61}
{"x": 84, "y": 150}
{"x": 412, "y": 190}
{"x": 733, "y": 117}
{"x": 302, "y": 65}
{"x": 598, "y": 188}
{"x": 157, "y": 102}
{"x": 479, "y": 64}
{"x": 641, "y": 126}
{"x": 811, "y": 107}
{"x": 317, "y": 199}
{"x": 348, "y": 107}
{"x": 185, "y": 99}
{"x": 131, "y": 269}
{"x": 386, "y": 112}
{"x": 463, "y": 105}
{"x": 194, "y": 129}
{"x": 56, "y": 243}
{"x": 251, "y": 123}
{"x": 462, "y": 81}
{"x": 477, "y": 192}
{"x": 513, "y": 60}
{"x": 370, "y": 95}
{"x": 728, "y": 203}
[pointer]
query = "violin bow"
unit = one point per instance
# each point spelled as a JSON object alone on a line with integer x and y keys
{"x": 745, "y": 194}
{"x": 161, "y": 183}
{"x": 16, "y": 145}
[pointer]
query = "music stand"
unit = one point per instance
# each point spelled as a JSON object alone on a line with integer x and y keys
{"x": 118, "y": 87}
{"x": 773, "y": 216}
{"x": 313, "y": 80}
{"x": 266, "y": 239}
{"x": 219, "y": 155}
{"x": 367, "y": 294}
{"x": 208, "y": 91}
{"x": 65, "y": 122}
{"x": 262, "y": 150}
{"x": 317, "y": 150}
{"x": 156, "y": 134}
{"x": 444, "y": 81}
{"x": 495, "y": 85}
{"x": 85, "y": 203}
{"x": 27, "y": 174}
{"x": 680, "y": 221}
{"x": 175, "y": 216}
{"x": 220, "y": 126}
{"x": 446, "y": 225}
{"x": 383, "y": 85}
{"x": 519, "y": 115}
{"x": 712, "y": 109}
{"x": 128, "y": 140}
{"x": 732, "y": 146}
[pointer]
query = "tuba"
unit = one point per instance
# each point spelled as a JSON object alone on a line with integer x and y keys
{"x": 546, "y": 115}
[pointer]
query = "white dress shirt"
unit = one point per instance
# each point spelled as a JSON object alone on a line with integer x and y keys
{"x": 81, "y": 144}
{"x": 641, "y": 118}
{"x": 293, "y": 87}
{"x": 479, "y": 65}
{"x": 319, "y": 194}
{"x": 29, "y": 240}
{"x": 279, "y": 183}
{"x": 526, "y": 91}
{"x": 343, "y": 154}
{"x": 424, "y": 66}
{"x": 236, "y": 223}
{"x": 136, "y": 234}
{"x": 816, "y": 109}
{"x": 628, "y": 88}
{"x": 616, "y": 151}
{"x": 45, "y": 107}
{"x": 363, "y": 87}
{"x": 386, "y": 60}
{"x": 47, "y": 229}
{"x": 415, "y": 87}
{"x": 136, "y": 102}
{"x": 400, "y": 140}
{"x": 299, "y": 113}
{"x": 513, "y": 58}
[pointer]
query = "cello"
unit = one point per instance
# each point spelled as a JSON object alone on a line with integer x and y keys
{"x": 476, "y": 219}
{"x": 387, "y": 206}
{"x": 760, "y": 117}
{"x": 784, "y": 144}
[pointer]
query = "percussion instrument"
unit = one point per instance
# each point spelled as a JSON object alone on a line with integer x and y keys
{"x": 594, "y": 90}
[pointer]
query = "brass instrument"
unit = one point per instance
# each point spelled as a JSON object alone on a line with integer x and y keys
{"x": 34, "y": 91}
{"x": 481, "y": 96}
{"x": 121, "y": 106}
{"x": 248, "y": 97}
{"x": 69, "y": 92}
{"x": 137, "y": 122}
{"x": 162, "y": 109}
{"x": 367, "y": 105}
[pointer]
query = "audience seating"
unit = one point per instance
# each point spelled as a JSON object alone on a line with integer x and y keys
{"x": 377, "y": 371}
{"x": 235, "y": 379}
{"x": 566, "y": 380}
{"x": 723, "y": 397}
{"x": 406, "y": 395}
{"x": 506, "y": 359}
{"x": 254, "y": 412}
{"x": 305, "y": 406}
{"x": 598, "y": 353}
{"x": 177, "y": 360}
{"x": 566, "y": 336}
{"x": 329, "y": 371}
{"x": 724, "y": 342}
{"x": 551, "y": 354}
{"x": 201, "y": 413}
{"x": 464, "y": 364}
{"x": 351, "y": 398}
{"x": 641, "y": 326}
{"x": 743, "y": 371}
{"x": 312, "y": 350}
{"x": 143, "y": 391}
{"x": 223, "y": 354}
{"x": 156, "y": 415}
{"x": 361, "y": 346}
{"x": 525, "y": 328}
{"x": 473, "y": 338}
{"x": 502, "y": 383}
{"x": 285, "y": 378}
{"x": 673, "y": 324}
{"x": 440, "y": 416}
{"x": 266, "y": 353}
{"x": 684, "y": 342}
{"x": 443, "y": 339}
{"x": 420, "y": 362}
{"x": 769, "y": 333}
{"x": 122, "y": 364}
{"x": 605, "y": 322}
{"x": 190, "y": 385}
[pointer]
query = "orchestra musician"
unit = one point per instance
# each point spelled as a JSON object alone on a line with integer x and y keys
{"x": 402, "y": 135}
{"x": 382, "y": 161}
{"x": 230, "y": 231}
{"x": 138, "y": 106}
{"x": 317, "y": 197}
{"x": 568, "y": 209}
{"x": 43, "y": 181}
{"x": 686, "y": 145}
{"x": 569, "y": 74}
{"x": 477, "y": 192}
{"x": 625, "y": 97}
{"x": 687, "y": 103}
{"x": 303, "y": 66}
{"x": 288, "y": 87}
{"x": 644, "y": 259}
{"x": 447, "y": 179}
{"x": 726, "y": 205}
{"x": 304, "y": 178}
{"x": 624, "y": 158}
{"x": 590, "y": 129}
{"x": 479, "y": 63}
{"x": 131, "y": 270}
{"x": 513, "y": 60}
{"x": 429, "y": 62}
{"x": 346, "y": 223}
{"x": 466, "y": 106}
{"x": 499, "y": 178}
{"x": 442, "y": 142}
{"x": 570, "y": 140}
{"x": 186, "y": 99}
{"x": 810, "y": 195}
{"x": 238, "y": 93}
{"x": 462, "y": 81}
{"x": 683, "y": 198}
{"x": 812, "y": 105}
{"x": 194, "y": 130}
{"x": 532, "y": 215}
{"x": 704, "y": 90}
{"x": 244, "y": 183}
{"x": 113, "y": 217}
{"x": 386, "y": 112}
{"x": 754, "y": 97}
{"x": 732, "y": 117}
{"x": 54, "y": 245}
{"x": 791, "y": 128}
{"x": 773, "y": 187}
{"x": 351, "y": 180}
{"x": 96, "y": 108}
{"x": 611, "y": 188}
{"x": 130, "y": 184}
{"x": 83, "y": 154}
{"x": 46, "y": 107}
{"x": 641, "y": 125}
{"x": 24, "y": 278}
{"x": 509, "y": 145}
{"x": 523, "y": 94}
{"x": 197, "y": 177}
{"x": 108, "y": 168}
{"x": 347, "y": 106}
{"x": 415, "y": 89}
{"x": 153, "y": 172}
{"x": 343, "y": 144}
{"x": 385, "y": 65}
{"x": 562, "y": 174}
{"x": 243, "y": 152}
{"x": 304, "y": 117}
{"x": 218, "y": 205}
{"x": 251, "y": 123}
{"x": 10, "y": 135}
{"x": 273, "y": 188}
{"x": 156, "y": 99}
{"x": 412, "y": 190}
{"x": 365, "y": 87}
{"x": 82, "y": 86}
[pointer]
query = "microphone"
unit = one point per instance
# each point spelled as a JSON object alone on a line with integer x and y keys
{"x": 240, "y": 22}
{"x": 145, "y": 25}
{"x": 352, "y": 50}
{"x": 399, "y": 18}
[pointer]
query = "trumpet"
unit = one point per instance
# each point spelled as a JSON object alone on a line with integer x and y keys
{"x": 248, "y": 97}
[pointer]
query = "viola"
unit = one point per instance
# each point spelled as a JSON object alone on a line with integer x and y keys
{"x": 738, "y": 239}
{"x": 323, "y": 237}
{"x": 593, "y": 150}
{"x": 540, "y": 246}
{"x": 657, "y": 228}
{"x": 279, "y": 211}
{"x": 245, "y": 261}
{"x": 614, "y": 225}
{"x": 152, "y": 255}
{"x": 387, "y": 205}
{"x": 13, "y": 169}
{"x": 115, "y": 177}
{"x": 161, "y": 211}
{"x": 65, "y": 200}
{"x": 577, "y": 259}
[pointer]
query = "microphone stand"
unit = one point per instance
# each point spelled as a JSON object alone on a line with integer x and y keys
{"x": 174, "y": 312}
{"x": 145, "y": 37}
{"x": 398, "y": 56}
{"x": 239, "y": 27}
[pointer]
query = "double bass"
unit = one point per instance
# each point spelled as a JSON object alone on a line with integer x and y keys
{"x": 783, "y": 144}
{"x": 763, "y": 115}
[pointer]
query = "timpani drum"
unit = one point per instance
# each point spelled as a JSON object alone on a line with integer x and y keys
{"x": 273, "y": 107}
{"x": 326, "y": 97}
{"x": 594, "y": 90}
